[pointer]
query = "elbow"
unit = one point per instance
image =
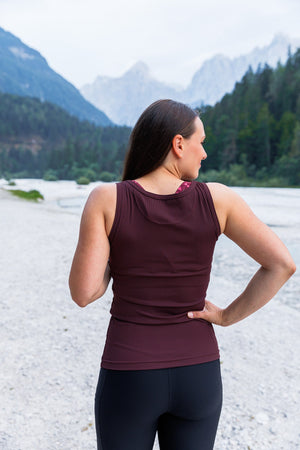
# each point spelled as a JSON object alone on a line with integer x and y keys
{"x": 288, "y": 267}
{"x": 79, "y": 300}
{"x": 77, "y": 293}
{"x": 79, "y": 297}
{"x": 84, "y": 298}
{"x": 283, "y": 268}
{"x": 292, "y": 268}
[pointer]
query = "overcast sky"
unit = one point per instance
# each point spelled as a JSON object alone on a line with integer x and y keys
{"x": 84, "y": 38}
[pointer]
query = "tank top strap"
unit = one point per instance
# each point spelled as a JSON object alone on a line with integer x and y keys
{"x": 206, "y": 195}
{"x": 120, "y": 208}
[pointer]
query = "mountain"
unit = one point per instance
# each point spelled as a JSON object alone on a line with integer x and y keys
{"x": 24, "y": 71}
{"x": 124, "y": 98}
{"x": 218, "y": 75}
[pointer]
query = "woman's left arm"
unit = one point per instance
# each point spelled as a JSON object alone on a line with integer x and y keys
{"x": 240, "y": 224}
{"x": 90, "y": 272}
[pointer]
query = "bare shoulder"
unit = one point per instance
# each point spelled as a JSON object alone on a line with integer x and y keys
{"x": 220, "y": 191}
{"x": 224, "y": 199}
{"x": 102, "y": 195}
{"x": 104, "y": 190}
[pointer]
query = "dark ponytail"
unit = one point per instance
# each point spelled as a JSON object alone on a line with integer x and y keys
{"x": 151, "y": 138}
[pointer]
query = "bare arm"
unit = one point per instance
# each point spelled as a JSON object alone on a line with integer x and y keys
{"x": 90, "y": 272}
{"x": 240, "y": 224}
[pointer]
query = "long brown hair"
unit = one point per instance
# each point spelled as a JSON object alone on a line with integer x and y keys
{"x": 151, "y": 138}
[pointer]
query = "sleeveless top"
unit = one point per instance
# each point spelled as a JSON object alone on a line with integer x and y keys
{"x": 161, "y": 249}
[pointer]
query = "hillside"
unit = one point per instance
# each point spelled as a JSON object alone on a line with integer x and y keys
{"x": 23, "y": 71}
{"x": 36, "y": 137}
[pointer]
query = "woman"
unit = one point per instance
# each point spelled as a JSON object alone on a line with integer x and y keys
{"x": 160, "y": 368}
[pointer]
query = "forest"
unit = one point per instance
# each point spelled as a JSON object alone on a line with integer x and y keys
{"x": 252, "y": 135}
{"x": 41, "y": 140}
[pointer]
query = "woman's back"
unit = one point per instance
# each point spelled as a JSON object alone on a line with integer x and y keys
{"x": 161, "y": 249}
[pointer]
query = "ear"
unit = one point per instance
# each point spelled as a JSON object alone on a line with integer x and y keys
{"x": 177, "y": 145}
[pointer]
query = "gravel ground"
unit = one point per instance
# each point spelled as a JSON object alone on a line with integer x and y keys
{"x": 50, "y": 349}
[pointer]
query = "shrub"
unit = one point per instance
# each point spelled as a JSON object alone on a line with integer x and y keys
{"x": 234, "y": 176}
{"x": 50, "y": 175}
{"x": 78, "y": 172}
{"x": 83, "y": 180}
{"x": 107, "y": 176}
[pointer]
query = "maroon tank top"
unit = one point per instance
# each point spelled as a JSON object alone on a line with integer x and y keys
{"x": 161, "y": 249}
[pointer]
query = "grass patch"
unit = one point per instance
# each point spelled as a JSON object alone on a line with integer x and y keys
{"x": 32, "y": 195}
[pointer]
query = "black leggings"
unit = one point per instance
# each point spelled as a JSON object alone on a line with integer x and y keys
{"x": 183, "y": 404}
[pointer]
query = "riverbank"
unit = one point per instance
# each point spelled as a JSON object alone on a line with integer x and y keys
{"x": 50, "y": 349}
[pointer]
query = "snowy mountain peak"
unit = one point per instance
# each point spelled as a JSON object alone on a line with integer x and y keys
{"x": 124, "y": 98}
{"x": 138, "y": 69}
{"x": 219, "y": 57}
{"x": 280, "y": 38}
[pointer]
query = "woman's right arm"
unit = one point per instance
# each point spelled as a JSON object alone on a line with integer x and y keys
{"x": 240, "y": 224}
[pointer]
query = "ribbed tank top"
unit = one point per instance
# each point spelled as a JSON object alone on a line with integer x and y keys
{"x": 161, "y": 249}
